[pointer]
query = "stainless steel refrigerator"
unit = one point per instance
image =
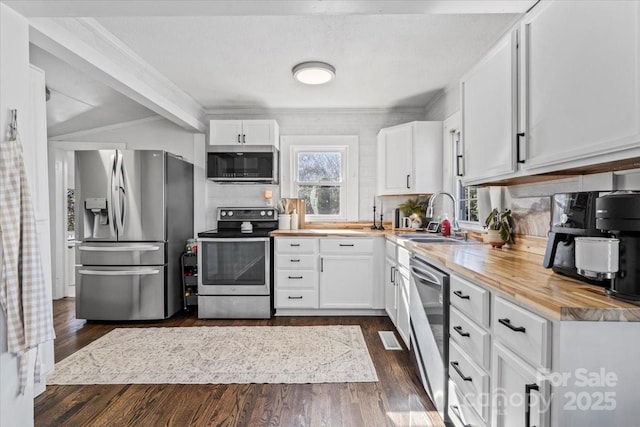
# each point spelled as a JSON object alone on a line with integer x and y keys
{"x": 134, "y": 213}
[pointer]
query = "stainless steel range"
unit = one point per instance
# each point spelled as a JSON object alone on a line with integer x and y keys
{"x": 236, "y": 279}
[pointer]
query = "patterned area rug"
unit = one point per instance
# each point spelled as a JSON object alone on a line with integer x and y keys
{"x": 220, "y": 355}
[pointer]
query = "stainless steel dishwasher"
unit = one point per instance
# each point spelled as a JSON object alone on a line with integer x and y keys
{"x": 429, "y": 311}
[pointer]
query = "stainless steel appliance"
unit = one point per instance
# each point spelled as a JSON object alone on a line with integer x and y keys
{"x": 572, "y": 215}
{"x": 429, "y": 313}
{"x": 619, "y": 214}
{"x": 248, "y": 164}
{"x": 134, "y": 213}
{"x": 235, "y": 277}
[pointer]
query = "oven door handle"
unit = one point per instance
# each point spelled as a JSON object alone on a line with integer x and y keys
{"x": 233, "y": 239}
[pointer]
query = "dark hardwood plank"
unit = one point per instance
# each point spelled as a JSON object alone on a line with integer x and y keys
{"x": 397, "y": 399}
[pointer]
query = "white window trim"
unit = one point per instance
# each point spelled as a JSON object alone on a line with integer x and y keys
{"x": 289, "y": 144}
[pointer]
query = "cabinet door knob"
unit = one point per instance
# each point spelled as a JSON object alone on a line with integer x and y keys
{"x": 244, "y": 138}
{"x": 459, "y": 171}
{"x": 455, "y": 366}
{"x": 290, "y": 297}
{"x": 460, "y": 295}
{"x": 294, "y": 277}
{"x": 459, "y": 330}
{"x": 527, "y": 404}
{"x": 238, "y": 138}
{"x": 507, "y": 323}
{"x": 519, "y": 135}
{"x": 408, "y": 181}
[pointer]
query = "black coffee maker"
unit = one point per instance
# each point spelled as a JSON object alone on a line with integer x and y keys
{"x": 619, "y": 214}
{"x": 572, "y": 215}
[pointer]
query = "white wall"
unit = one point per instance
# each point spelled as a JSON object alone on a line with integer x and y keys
{"x": 365, "y": 124}
{"x": 15, "y": 410}
{"x": 444, "y": 105}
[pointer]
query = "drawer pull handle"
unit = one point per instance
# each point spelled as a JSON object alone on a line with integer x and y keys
{"x": 459, "y": 330}
{"x": 527, "y": 402}
{"x": 456, "y": 412}
{"x": 460, "y": 295}
{"x": 294, "y": 260}
{"x": 294, "y": 244}
{"x": 457, "y": 369}
{"x": 507, "y": 323}
{"x": 290, "y": 297}
{"x": 345, "y": 244}
{"x": 294, "y": 277}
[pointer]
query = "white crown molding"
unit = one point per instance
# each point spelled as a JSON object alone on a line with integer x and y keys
{"x": 239, "y": 111}
{"x": 116, "y": 126}
{"x": 105, "y": 8}
{"x": 89, "y": 47}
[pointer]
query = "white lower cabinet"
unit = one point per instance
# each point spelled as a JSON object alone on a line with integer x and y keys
{"x": 402, "y": 318}
{"x": 328, "y": 273}
{"x": 396, "y": 285}
{"x": 520, "y": 397}
{"x": 296, "y": 273}
{"x": 390, "y": 289}
{"x": 346, "y": 281}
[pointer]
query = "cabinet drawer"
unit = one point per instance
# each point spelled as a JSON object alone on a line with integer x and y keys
{"x": 390, "y": 249}
{"x": 295, "y": 261}
{"x": 460, "y": 411}
{"x": 296, "y": 245}
{"x": 473, "y": 339}
{"x": 349, "y": 245}
{"x": 470, "y": 299}
{"x": 524, "y": 332}
{"x": 290, "y": 298}
{"x": 472, "y": 380}
{"x": 297, "y": 279}
{"x": 403, "y": 257}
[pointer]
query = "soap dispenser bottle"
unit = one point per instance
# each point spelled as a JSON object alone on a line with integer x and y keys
{"x": 446, "y": 226}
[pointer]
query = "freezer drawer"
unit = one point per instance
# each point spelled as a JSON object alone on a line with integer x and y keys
{"x": 118, "y": 254}
{"x": 120, "y": 293}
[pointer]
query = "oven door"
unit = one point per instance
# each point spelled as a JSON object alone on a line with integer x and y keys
{"x": 234, "y": 266}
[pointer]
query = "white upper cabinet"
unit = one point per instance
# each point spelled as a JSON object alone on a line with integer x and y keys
{"x": 489, "y": 101}
{"x": 410, "y": 158}
{"x": 580, "y": 83}
{"x": 244, "y": 132}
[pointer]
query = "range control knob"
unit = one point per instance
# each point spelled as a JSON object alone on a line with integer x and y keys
{"x": 230, "y": 213}
{"x": 223, "y": 213}
{"x": 270, "y": 213}
{"x": 262, "y": 213}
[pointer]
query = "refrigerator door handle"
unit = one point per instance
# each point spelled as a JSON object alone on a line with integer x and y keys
{"x": 110, "y": 200}
{"x": 118, "y": 193}
{"x": 141, "y": 248}
{"x": 140, "y": 272}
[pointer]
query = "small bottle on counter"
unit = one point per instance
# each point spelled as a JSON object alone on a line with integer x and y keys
{"x": 446, "y": 226}
{"x": 294, "y": 220}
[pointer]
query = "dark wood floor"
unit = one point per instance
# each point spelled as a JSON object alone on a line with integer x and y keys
{"x": 397, "y": 399}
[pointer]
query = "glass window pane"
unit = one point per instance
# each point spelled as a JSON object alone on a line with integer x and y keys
{"x": 320, "y": 199}
{"x": 315, "y": 167}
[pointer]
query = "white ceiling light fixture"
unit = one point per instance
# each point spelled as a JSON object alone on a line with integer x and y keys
{"x": 314, "y": 73}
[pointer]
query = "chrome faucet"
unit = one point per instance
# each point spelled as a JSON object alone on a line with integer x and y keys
{"x": 429, "y": 213}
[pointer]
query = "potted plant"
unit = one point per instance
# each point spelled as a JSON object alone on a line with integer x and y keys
{"x": 500, "y": 227}
{"x": 415, "y": 210}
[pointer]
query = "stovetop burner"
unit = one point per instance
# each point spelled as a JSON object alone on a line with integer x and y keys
{"x": 263, "y": 221}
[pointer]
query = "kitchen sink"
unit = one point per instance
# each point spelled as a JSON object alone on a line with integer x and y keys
{"x": 434, "y": 238}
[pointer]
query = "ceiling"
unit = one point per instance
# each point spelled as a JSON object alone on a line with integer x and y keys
{"x": 387, "y": 54}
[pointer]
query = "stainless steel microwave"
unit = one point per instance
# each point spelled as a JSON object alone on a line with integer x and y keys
{"x": 242, "y": 164}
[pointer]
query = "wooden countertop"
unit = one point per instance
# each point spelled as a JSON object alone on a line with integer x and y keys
{"x": 328, "y": 232}
{"x": 520, "y": 275}
{"x": 517, "y": 274}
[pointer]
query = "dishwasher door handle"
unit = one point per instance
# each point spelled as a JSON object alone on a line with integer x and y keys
{"x": 425, "y": 276}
